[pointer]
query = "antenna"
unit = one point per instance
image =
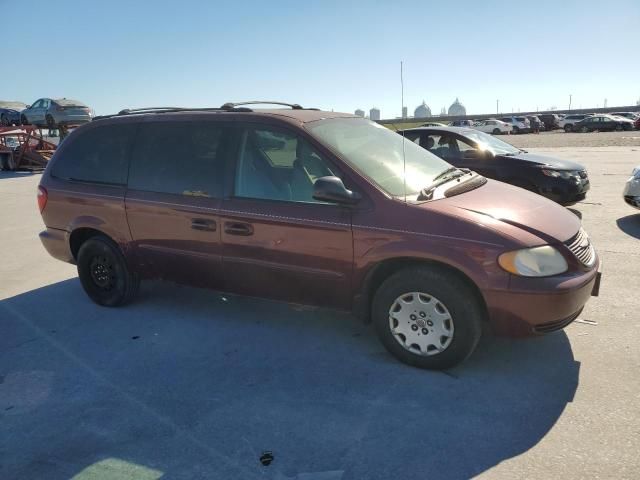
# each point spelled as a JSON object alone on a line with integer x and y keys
{"x": 404, "y": 159}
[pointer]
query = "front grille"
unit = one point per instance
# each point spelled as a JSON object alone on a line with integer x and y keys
{"x": 581, "y": 247}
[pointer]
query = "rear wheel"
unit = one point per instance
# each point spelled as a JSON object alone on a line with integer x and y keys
{"x": 568, "y": 128}
{"x": 104, "y": 274}
{"x": 427, "y": 317}
{"x": 496, "y": 131}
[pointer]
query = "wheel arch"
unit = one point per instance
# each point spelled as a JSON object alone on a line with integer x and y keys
{"x": 385, "y": 268}
{"x": 80, "y": 235}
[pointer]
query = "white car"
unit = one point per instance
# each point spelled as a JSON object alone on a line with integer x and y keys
{"x": 631, "y": 192}
{"x": 492, "y": 126}
{"x": 519, "y": 124}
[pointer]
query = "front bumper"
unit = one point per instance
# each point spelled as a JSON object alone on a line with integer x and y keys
{"x": 540, "y": 305}
{"x": 563, "y": 191}
{"x": 631, "y": 192}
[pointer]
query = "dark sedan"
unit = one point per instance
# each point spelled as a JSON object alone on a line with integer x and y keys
{"x": 603, "y": 123}
{"x": 10, "y": 113}
{"x": 562, "y": 181}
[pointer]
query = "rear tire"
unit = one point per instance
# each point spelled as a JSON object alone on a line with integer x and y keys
{"x": 496, "y": 131}
{"x": 104, "y": 274}
{"x": 433, "y": 308}
{"x": 568, "y": 128}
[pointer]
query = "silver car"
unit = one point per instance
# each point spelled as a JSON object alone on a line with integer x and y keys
{"x": 51, "y": 113}
{"x": 631, "y": 192}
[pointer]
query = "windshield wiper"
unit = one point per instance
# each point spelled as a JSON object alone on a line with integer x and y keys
{"x": 440, "y": 179}
{"x": 444, "y": 173}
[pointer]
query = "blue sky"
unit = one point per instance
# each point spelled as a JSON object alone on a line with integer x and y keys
{"x": 338, "y": 55}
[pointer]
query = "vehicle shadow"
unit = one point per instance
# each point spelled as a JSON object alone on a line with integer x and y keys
{"x": 630, "y": 225}
{"x": 191, "y": 384}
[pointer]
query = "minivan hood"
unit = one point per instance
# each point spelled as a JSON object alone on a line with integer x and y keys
{"x": 527, "y": 217}
{"x": 552, "y": 162}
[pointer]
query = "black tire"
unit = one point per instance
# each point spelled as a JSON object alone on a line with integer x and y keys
{"x": 584, "y": 129}
{"x": 461, "y": 301}
{"x": 23, "y": 120}
{"x": 104, "y": 274}
{"x": 568, "y": 128}
{"x": 496, "y": 131}
{"x": 51, "y": 123}
{"x": 516, "y": 129}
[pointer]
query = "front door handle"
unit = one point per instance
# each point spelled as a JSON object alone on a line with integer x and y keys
{"x": 203, "y": 224}
{"x": 237, "y": 228}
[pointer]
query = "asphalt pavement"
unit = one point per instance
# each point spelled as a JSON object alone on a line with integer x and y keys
{"x": 189, "y": 384}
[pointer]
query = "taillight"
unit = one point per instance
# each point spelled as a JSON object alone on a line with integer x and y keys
{"x": 42, "y": 198}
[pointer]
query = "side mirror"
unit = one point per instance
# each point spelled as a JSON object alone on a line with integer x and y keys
{"x": 28, "y": 106}
{"x": 331, "y": 189}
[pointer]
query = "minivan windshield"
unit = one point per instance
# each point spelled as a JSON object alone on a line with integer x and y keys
{"x": 489, "y": 142}
{"x": 385, "y": 157}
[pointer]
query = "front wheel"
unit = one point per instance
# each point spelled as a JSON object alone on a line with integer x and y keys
{"x": 568, "y": 128}
{"x": 104, "y": 274}
{"x": 618, "y": 128}
{"x": 496, "y": 131}
{"x": 427, "y": 317}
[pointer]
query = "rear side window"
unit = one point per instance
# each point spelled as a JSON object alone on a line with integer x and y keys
{"x": 181, "y": 158}
{"x": 99, "y": 155}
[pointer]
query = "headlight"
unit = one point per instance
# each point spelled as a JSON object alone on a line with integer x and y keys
{"x": 566, "y": 174}
{"x": 534, "y": 262}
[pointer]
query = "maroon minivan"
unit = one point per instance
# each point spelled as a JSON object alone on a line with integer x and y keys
{"x": 317, "y": 208}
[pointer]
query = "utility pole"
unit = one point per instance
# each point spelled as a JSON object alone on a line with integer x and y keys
{"x": 569, "y": 101}
{"x": 497, "y": 107}
{"x": 605, "y": 103}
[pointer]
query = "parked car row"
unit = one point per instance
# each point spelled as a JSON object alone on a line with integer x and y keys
{"x": 45, "y": 112}
{"x": 328, "y": 209}
{"x": 579, "y": 122}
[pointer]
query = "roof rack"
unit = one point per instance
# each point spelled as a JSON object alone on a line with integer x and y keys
{"x": 227, "y": 107}
{"x": 294, "y": 106}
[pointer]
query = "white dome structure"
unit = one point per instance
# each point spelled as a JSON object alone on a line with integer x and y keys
{"x": 422, "y": 111}
{"x": 457, "y": 109}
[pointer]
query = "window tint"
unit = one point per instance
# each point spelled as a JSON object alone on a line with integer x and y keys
{"x": 183, "y": 158}
{"x": 98, "y": 155}
{"x": 278, "y": 165}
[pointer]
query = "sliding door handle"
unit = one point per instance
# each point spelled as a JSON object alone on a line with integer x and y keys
{"x": 238, "y": 228}
{"x": 203, "y": 224}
